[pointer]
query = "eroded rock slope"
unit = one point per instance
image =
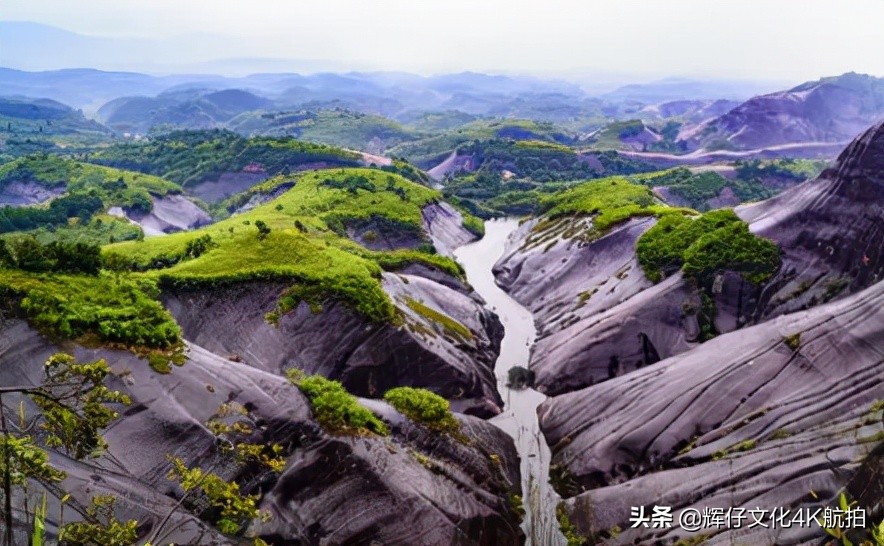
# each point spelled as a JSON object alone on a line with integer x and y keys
{"x": 410, "y": 487}
{"x": 776, "y": 415}
{"x": 601, "y": 317}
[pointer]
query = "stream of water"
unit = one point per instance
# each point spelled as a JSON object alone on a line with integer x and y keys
{"x": 519, "y": 417}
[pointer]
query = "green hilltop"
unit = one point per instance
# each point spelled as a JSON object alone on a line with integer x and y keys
{"x": 191, "y": 157}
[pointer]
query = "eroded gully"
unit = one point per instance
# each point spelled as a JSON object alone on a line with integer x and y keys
{"x": 519, "y": 417}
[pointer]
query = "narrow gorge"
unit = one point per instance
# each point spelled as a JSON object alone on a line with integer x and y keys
{"x": 519, "y": 417}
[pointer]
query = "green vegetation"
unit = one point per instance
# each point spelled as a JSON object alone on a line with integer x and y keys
{"x": 41, "y": 125}
{"x": 732, "y": 248}
{"x": 746, "y": 445}
{"x": 703, "y": 247}
{"x": 424, "y": 407}
{"x": 191, "y": 157}
{"x": 796, "y": 170}
{"x": 451, "y": 327}
{"x": 779, "y": 434}
{"x": 536, "y": 160}
{"x": 74, "y": 407}
{"x": 408, "y": 171}
{"x": 568, "y": 529}
{"x": 609, "y": 201}
{"x": 698, "y": 189}
{"x": 87, "y": 190}
{"x": 793, "y": 341}
{"x": 28, "y": 254}
{"x": 304, "y": 245}
{"x": 513, "y": 177}
{"x": 101, "y": 229}
{"x": 336, "y": 127}
{"x": 100, "y": 526}
{"x": 716, "y": 241}
{"x": 114, "y": 186}
{"x": 336, "y": 409}
{"x": 473, "y": 224}
{"x": 102, "y": 308}
{"x": 611, "y": 137}
{"x": 428, "y": 151}
{"x": 873, "y": 535}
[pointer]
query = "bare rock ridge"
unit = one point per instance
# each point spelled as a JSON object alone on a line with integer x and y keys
{"x": 780, "y": 410}
{"x": 168, "y": 214}
{"x": 460, "y": 494}
{"x": 828, "y": 110}
{"x": 444, "y": 224}
{"x": 778, "y": 414}
{"x": 830, "y": 230}
{"x": 602, "y": 317}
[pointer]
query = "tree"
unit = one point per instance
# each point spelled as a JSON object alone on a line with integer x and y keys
{"x": 263, "y": 229}
{"x": 75, "y": 407}
{"x": 209, "y": 496}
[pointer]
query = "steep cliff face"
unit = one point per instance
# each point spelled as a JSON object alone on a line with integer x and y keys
{"x": 779, "y": 414}
{"x": 598, "y": 315}
{"x": 601, "y": 317}
{"x": 334, "y": 489}
{"x": 444, "y": 224}
{"x": 168, "y": 214}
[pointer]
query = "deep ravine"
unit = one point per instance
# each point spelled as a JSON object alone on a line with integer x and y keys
{"x": 519, "y": 418}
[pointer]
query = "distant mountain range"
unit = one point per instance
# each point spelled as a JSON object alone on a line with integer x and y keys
{"x": 833, "y": 109}
{"x": 667, "y": 118}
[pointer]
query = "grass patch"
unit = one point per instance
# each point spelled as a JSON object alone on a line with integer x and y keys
{"x": 609, "y": 201}
{"x": 304, "y": 245}
{"x": 105, "y": 308}
{"x": 337, "y": 410}
{"x": 473, "y": 224}
{"x": 568, "y": 529}
{"x": 424, "y": 407}
{"x": 746, "y": 445}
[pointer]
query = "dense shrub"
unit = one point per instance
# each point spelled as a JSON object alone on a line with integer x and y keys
{"x": 57, "y": 213}
{"x": 336, "y": 409}
{"x": 191, "y": 157}
{"x": 732, "y": 248}
{"x": 716, "y": 241}
{"x": 28, "y": 254}
{"x": 112, "y": 310}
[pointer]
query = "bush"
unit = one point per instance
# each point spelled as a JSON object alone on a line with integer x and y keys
{"x": 263, "y": 229}
{"x": 732, "y": 248}
{"x": 199, "y": 246}
{"x": 716, "y": 241}
{"x": 336, "y": 409}
{"x": 113, "y": 311}
{"x": 424, "y": 407}
{"x": 27, "y": 254}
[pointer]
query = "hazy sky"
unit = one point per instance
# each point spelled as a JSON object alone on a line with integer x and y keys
{"x": 762, "y": 39}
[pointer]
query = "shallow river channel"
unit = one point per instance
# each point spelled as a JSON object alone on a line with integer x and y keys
{"x": 519, "y": 417}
